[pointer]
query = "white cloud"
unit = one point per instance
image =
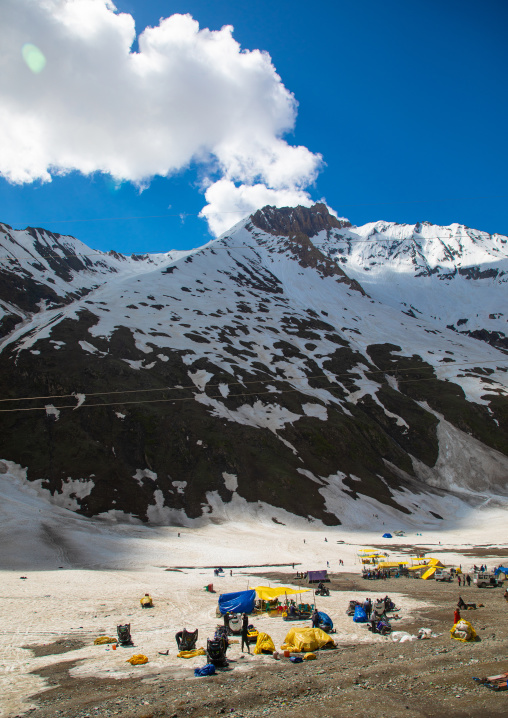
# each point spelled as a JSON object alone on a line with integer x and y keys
{"x": 188, "y": 95}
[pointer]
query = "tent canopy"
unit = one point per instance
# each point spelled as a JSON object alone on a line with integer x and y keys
{"x": 264, "y": 593}
{"x": 435, "y": 562}
{"x": 387, "y": 536}
{"x": 391, "y": 564}
{"x": 239, "y": 602}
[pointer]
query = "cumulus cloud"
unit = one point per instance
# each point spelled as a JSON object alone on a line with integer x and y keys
{"x": 89, "y": 103}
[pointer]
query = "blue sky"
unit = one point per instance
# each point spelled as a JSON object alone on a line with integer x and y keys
{"x": 405, "y": 101}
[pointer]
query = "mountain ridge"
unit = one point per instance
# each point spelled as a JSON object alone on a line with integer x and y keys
{"x": 261, "y": 368}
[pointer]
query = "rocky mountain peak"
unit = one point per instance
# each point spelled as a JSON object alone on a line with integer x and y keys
{"x": 286, "y": 221}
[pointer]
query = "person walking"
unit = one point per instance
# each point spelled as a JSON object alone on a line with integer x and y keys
{"x": 245, "y": 630}
{"x": 458, "y": 579}
{"x": 468, "y": 579}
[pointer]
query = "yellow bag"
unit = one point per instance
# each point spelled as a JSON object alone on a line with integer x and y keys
{"x": 104, "y": 639}
{"x": 192, "y": 654}
{"x": 264, "y": 644}
{"x": 309, "y": 657}
{"x": 137, "y": 660}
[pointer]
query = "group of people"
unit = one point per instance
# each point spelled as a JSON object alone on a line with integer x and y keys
{"x": 480, "y": 569}
{"x": 376, "y": 573}
{"x": 462, "y": 580}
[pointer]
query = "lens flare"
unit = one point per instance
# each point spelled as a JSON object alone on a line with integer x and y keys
{"x": 33, "y": 57}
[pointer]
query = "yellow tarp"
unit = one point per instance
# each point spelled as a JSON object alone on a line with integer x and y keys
{"x": 191, "y": 654}
{"x": 264, "y": 593}
{"x": 264, "y": 644}
{"x": 429, "y": 573}
{"x": 472, "y": 632}
{"x": 137, "y": 660}
{"x": 391, "y": 564}
{"x": 309, "y": 657}
{"x": 417, "y": 568}
{"x": 104, "y": 639}
{"x": 435, "y": 562}
{"x": 305, "y": 640}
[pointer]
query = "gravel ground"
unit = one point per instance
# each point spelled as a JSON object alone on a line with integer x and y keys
{"x": 383, "y": 679}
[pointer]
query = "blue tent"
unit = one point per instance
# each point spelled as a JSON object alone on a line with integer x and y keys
{"x": 239, "y": 602}
{"x": 387, "y": 536}
{"x": 501, "y": 569}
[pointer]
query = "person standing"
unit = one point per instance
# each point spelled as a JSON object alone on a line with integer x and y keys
{"x": 456, "y": 616}
{"x": 468, "y": 579}
{"x": 315, "y": 618}
{"x": 458, "y": 579}
{"x": 245, "y": 630}
{"x": 226, "y": 621}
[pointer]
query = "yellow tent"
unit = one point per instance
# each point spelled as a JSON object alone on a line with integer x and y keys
{"x": 391, "y": 564}
{"x": 429, "y": 573}
{"x": 417, "y": 568}
{"x": 435, "y": 562}
{"x": 264, "y": 593}
{"x": 304, "y": 639}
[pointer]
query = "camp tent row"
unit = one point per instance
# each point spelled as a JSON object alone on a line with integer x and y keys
{"x": 243, "y": 601}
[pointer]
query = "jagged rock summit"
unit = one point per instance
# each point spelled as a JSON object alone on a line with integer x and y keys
{"x": 295, "y": 366}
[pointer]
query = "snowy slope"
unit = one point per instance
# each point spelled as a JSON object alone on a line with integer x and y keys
{"x": 256, "y": 370}
{"x": 455, "y": 276}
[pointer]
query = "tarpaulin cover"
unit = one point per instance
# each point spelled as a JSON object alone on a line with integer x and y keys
{"x": 239, "y": 602}
{"x": 302, "y": 639}
{"x": 501, "y": 569}
{"x": 264, "y": 593}
{"x": 317, "y": 576}
{"x": 325, "y": 619}
{"x": 208, "y": 670}
{"x": 360, "y": 615}
{"x": 264, "y": 644}
{"x": 387, "y": 536}
{"x": 471, "y": 633}
{"x": 429, "y": 573}
{"x": 435, "y": 562}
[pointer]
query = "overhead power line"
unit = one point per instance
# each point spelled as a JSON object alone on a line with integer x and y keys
{"x": 270, "y": 377}
{"x": 221, "y": 396}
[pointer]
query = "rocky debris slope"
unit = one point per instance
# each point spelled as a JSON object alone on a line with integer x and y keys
{"x": 258, "y": 373}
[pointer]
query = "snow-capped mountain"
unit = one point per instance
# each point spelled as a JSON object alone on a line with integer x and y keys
{"x": 296, "y": 365}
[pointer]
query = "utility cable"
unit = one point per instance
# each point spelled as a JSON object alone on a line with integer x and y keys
{"x": 270, "y": 377}
{"x": 193, "y": 398}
